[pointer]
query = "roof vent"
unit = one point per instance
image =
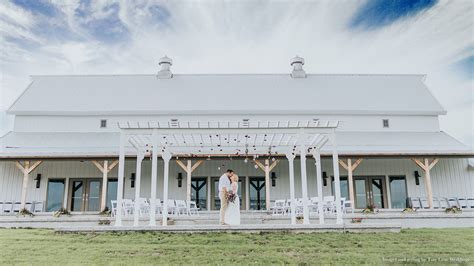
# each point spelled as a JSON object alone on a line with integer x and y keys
{"x": 165, "y": 72}
{"x": 297, "y": 63}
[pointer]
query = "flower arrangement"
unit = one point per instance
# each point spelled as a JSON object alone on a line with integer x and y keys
{"x": 105, "y": 212}
{"x": 60, "y": 212}
{"x": 453, "y": 210}
{"x": 409, "y": 210}
{"x": 25, "y": 212}
{"x": 370, "y": 209}
{"x": 356, "y": 220}
{"x": 230, "y": 197}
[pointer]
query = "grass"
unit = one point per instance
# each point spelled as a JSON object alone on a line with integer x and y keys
{"x": 439, "y": 246}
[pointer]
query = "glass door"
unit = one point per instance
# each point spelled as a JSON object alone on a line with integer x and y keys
{"x": 93, "y": 195}
{"x": 77, "y": 196}
{"x": 398, "y": 192}
{"x": 369, "y": 191}
{"x": 199, "y": 192}
{"x": 85, "y": 195}
{"x": 257, "y": 193}
{"x": 55, "y": 195}
{"x": 360, "y": 191}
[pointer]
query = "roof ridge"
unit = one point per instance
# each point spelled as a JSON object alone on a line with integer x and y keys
{"x": 229, "y": 74}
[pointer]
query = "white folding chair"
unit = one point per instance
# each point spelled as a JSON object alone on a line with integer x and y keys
{"x": 16, "y": 207}
{"x": 453, "y": 202}
{"x": 415, "y": 203}
{"x": 181, "y": 207}
{"x": 348, "y": 206}
{"x": 193, "y": 209}
{"x": 424, "y": 203}
{"x": 436, "y": 203}
{"x": 463, "y": 203}
{"x": 171, "y": 206}
{"x": 329, "y": 204}
{"x": 143, "y": 206}
{"x": 470, "y": 202}
{"x": 127, "y": 206}
{"x": 443, "y": 203}
{"x": 113, "y": 206}
{"x": 279, "y": 207}
{"x": 37, "y": 206}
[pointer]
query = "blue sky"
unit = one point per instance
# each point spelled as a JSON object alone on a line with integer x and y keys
{"x": 374, "y": 36}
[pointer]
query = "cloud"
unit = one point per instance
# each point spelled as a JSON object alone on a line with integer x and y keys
{"x": 122, "y": 37}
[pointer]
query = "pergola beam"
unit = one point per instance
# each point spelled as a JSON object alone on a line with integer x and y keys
{"x": 266, "y": 168}
{"x": 189, "y": 168}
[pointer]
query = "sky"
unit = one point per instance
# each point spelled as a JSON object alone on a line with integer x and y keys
{"x": 429, "y": 37}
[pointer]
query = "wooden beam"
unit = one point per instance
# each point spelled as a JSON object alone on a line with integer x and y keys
{"x": 267, "y": 184}
{"x": 419, "y": 163}
{"x": 356, "y": 164}
{"x": 259, "y": 164}
{"x": 182, "y": 165}
{"x": 343, "y": 164}
{"x": 99, "y": 166}
{"x": 112, "y": 165}
{"x": 196, "y": 165}
{"x": 103, "y": 199}
{"x": 433, "y": 163}
{"x": 275, "y": 163}
{"x": 20, "y": 166}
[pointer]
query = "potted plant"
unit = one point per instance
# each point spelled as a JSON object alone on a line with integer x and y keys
{"x": 356, "y": 220}
{"x": 371, "y": 209}
{"x": 409, "y": 210}
{"x": 453, "y": 210}
{"x": 105, "y": 212}
{"x": 60, "y": 212}
{"x": 24, "y": 212}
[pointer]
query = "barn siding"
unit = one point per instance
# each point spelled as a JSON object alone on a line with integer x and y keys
{"x": 450, "y": 177}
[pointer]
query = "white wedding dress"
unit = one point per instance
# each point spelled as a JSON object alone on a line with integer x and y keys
{"x": 232, "y": 213}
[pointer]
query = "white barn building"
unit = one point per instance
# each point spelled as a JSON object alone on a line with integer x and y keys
{"x": 383, "y": 130}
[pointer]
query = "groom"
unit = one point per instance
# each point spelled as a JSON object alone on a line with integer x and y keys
{"x": 224, "y": 186}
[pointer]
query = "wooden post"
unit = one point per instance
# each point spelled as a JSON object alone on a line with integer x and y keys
{"x": 138, "y": 181}
{"x": 304, "y": 183}
{"x": 350, "y": 170}
{"x": 267, "y": 168}
{"x": 426, "y": 165}
{"x": 154, "y": 173}
{"x": 104, "y": 169}
{"x": 26, "y": 169}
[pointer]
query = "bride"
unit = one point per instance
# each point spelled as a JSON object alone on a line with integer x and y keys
{"x": 232, "y": 213}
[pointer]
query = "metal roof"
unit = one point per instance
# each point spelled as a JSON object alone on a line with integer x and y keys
{"x": 239, "y": 94}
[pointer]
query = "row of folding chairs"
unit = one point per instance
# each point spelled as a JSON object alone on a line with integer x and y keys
{"x": 443, "y": 203}
{"x": 13, "y": 207}
{"x": 283, "y": 206}
{"x": 174, "y": 207}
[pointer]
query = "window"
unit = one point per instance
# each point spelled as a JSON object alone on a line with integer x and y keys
{"x": 398, "y": 192}
{"x": 344, "y": 187}
{"x": 103, "y": 123}
{"x": 386, "y": 123}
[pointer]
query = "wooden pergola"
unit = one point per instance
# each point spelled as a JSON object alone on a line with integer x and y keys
{"x": 240, "y": 138}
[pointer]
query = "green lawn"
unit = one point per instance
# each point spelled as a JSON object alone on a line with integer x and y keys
{"x": 32, "y": 246}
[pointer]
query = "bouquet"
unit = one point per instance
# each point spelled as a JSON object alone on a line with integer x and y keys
{"x": 230, "y": 197}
